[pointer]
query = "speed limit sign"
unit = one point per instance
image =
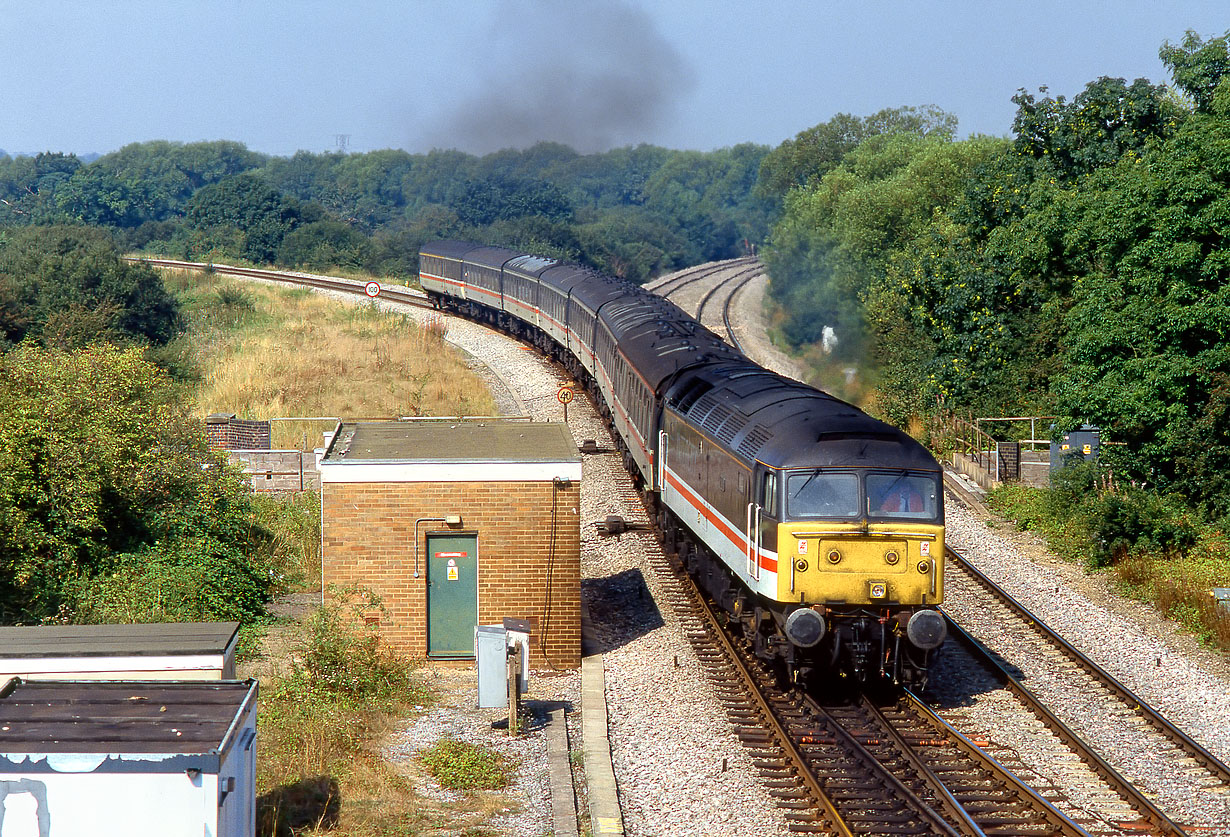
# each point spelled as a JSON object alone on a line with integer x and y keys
{"x": 564, "y": 395}
{"x": 372, "y": 289}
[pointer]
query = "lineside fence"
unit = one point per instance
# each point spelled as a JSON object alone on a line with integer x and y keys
{"x": 992, "y": 450}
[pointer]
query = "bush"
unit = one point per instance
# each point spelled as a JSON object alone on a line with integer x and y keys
{"x": 337, "y": 659}
{"x": 460, "y": 765}
{"x": 1082, "y": 520}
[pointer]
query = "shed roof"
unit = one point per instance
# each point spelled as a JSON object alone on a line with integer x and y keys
{"x": 451, "y": 441}
{"x": 158, "y": 640}
{"x": 172, "y": 717}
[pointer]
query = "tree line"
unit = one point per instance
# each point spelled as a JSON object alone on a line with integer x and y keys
{"x": 1077, "y": 268}
{"x": 632, "y": 212}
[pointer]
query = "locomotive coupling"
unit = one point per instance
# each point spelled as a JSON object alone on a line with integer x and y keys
{"x": 927, "y": 629}
{"x": 805, "y": 627}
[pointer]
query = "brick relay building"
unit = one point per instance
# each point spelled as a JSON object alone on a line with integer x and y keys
{"x": 456, "y": 524}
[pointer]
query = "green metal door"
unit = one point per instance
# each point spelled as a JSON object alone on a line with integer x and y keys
{"x": 452, "y": 594}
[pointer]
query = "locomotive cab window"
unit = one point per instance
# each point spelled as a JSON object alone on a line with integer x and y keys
{"x": 902, "y": 496}
{"x": 768, "y": 495}
{"x": 816, "y": 494}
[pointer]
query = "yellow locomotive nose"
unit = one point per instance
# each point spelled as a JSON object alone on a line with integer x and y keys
{"x": 862, "y": 564}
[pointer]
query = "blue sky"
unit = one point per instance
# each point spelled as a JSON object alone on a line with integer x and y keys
{"x": 282, "y": 76}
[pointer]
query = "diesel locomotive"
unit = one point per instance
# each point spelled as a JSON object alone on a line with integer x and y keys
{"x": 818, "y": 529}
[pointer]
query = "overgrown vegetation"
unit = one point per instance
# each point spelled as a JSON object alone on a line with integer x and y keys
{"x": 1153, "y": 545}
{"x": 111, "y": 507}
{"x": 281, "y": 353}
{"x": 323, "y": 716}
{"x": 461, "y": 765}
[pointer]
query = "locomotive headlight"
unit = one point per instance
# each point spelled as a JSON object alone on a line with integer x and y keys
{"x": 801, "y": 565}
{"x": 891, "y": 557}
{"x": 834, "y": 556}
{"x": 924, "y": 566}
{"x": 877, "y": 589}
{"x": 926, "y": 629}
{"x": 805, "y": 627}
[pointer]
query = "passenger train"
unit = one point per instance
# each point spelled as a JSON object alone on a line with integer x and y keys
{"x": 816, "y": 528}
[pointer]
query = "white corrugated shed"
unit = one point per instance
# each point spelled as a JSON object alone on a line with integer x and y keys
{"x": 175, "y": 759}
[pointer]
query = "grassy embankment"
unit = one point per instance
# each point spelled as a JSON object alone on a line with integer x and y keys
{"x": 1168, "y": 561}
{"x": 328, "y": 695}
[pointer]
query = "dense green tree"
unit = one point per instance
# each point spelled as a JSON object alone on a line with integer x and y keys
{"x": 500, "y": 198}
{"x": 261, "y": 215}
{"x": 1148, "y": 332}
{"x": 837, "y": 238}
{"x": 167, "y": 174}
{"x": 1106, "y": 120}
{"x": 818, "y": 150}
{"x": 323, "y": 244}
{"x": 103, "y": 473}
{"x": 1198, "y": 67}
{"x": 68, "y": 286}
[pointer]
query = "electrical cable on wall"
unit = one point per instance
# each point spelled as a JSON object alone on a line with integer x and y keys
{"x": 556, "y": 487}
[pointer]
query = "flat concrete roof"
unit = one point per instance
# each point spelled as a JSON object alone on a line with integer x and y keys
{"x": 451, "y": 441}
{"x": 161, "y": 639}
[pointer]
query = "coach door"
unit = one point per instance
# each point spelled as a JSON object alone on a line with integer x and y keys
{"x": 452, "y": 594}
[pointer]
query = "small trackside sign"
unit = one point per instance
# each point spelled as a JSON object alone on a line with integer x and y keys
{"x": 372, "y": 289}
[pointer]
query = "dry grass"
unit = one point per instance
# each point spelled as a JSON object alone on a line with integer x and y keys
{"x": 1181, "y": 588}
{"x": 272, "y": 352}
{"x": 283, "y": 353}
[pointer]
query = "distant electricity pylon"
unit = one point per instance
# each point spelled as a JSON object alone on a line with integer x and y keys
{"x": 342, "y": 141}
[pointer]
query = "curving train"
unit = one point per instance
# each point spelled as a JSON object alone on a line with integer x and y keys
{"x": 817, "y": 529}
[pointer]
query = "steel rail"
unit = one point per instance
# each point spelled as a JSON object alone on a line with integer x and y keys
{"x": 1155, "y": 718}
{"x": 730, "y": 331}
{"x": 1050, "y": 813}
{"x": 709, "y": 294}
{"x": 781, "y": 738}
{"x": 693, "y": 274}
{"x": 395, "y": 293}
{"x": 1150, "y": 812}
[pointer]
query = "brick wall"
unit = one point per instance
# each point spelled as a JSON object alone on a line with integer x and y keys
{"x": 225, "y": 432}
{"x": 369, "y": 541}
{"x": 278, "y": 471}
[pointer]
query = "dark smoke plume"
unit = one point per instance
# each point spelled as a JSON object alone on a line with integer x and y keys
{"x": 592, "y": 75}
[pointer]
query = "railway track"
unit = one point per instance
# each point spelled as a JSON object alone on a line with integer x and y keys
{"x": 731, "y": 276}
{"x": 394, "y": 293}
{"x": 1142, "y": 732}
{"x": 670, "y": 284}
{"x": 848, "y": 767}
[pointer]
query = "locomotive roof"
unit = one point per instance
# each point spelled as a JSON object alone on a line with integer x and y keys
{"x": 787, "y": 424}
{"x": 448, "y": 249}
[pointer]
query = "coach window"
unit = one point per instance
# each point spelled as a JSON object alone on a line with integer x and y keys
{"x": 768, "y": 495}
